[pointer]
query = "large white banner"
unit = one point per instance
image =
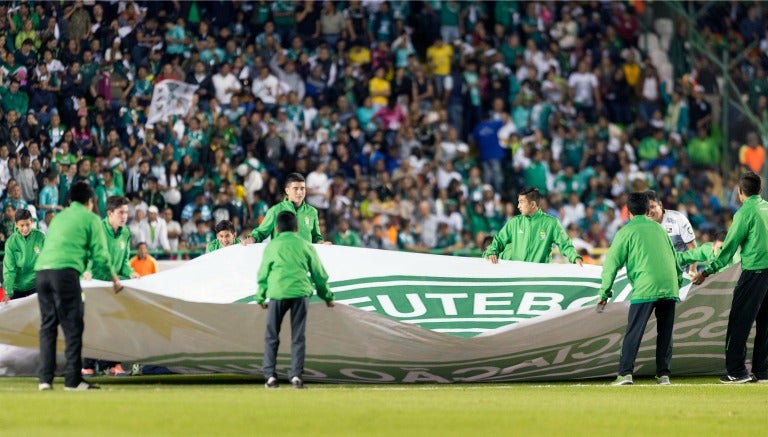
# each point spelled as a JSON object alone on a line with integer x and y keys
{"x": 170, "y": 97}
{"x": 403, "y": 317}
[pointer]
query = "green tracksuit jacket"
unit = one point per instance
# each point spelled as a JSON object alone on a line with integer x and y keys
{"x": 215, "y": 245}
{"x": 530, "y": 239}
{"x": 73, "y": 236}
{"x": 309, "y": 225}
{"x": 703, "y": 253}
{"x": 19, "y": 261}
{"x": 750, "y": 231}
{"x": 284, "y": 266}
{"x": 645, "y": 248}
{"x": 119, "y": 247}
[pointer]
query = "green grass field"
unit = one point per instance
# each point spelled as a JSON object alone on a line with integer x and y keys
{"x": 236, "y": 405}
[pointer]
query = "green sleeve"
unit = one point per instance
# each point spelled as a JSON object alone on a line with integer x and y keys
{"x": 319, "y": 275}
{"x": 263, "y": 276}
{"x": 564, "y": 243}
{"x": 317, "y": 237}
{"x": 614, "y": 260}
{"x": 736, "y": 234}
{"x": 210, "y": 247}
{"x": 266, "y": 227}
{"x": 98, "y": 247}
{"x": 678, "y": 269}
{"x": 696, "y": 255}
{"x": 356, "y": 240}
{"x": 500, "y": 240}
{"x": 9, "y": 267}
{"x": 125, "y": 269}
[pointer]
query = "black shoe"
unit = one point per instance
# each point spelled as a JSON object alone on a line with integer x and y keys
{"x": 271, "y": 382}
{"x": 83, "y": 386}
{"x": 728, "y": 379}
{"x": 296, "y": 382}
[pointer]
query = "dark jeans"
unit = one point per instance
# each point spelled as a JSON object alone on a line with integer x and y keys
{"x": 61, "y": 302}
{"x": 639, "y": 313}
{"x": 275, "y": 313}
{"x": 750, "y": 305}
{"x": 21, "y": 294}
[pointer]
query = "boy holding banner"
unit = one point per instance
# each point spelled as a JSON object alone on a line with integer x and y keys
{"x": 283, "y": 279}
{"x": 645, "y": 248}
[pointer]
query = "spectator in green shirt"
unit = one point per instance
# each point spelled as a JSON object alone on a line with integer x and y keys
{"x": 703, "y": 150}
{"x": 344, "y": 236}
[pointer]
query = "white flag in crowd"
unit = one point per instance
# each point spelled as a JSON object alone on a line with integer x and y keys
{"x": 170, "y": 97}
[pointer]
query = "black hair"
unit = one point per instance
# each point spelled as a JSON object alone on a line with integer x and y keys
{"x": 638, "y": 203}
{"x": 293, "y": 177}
{"x": 81, "y": 192}
{"x": 286, "y": 222}
{"x": 750, "y": 184}
{"x": 651, "y": 195}
{"x": 224, "y": 225}
{"x": 532, "y": 194}
{"x": 23, "y": 214}
{"x": 114, "y": 202}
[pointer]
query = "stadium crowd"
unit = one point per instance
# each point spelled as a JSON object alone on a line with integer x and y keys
{"x": 415, "y": 123}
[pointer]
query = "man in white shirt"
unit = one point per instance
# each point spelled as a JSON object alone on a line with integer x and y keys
{"x": 266, "y": 87}
{"x": 318, "y": 187}
{"x": 450, "y": 146}
{"x": 583, "y": 87}
{"x": 675, "y": 223}
{"x": 226, "y": 84}
{"x": 173, "y": 229}
{"x": 154, "y": 232}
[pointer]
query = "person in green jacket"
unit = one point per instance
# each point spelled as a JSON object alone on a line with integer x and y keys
{"x": 118, "y": 237}
{"x": 309, "y": 224}
{"x": 706, "y": 253}
{"x": 530, "y": 235}
{"x": 646, "y": 250}
{"x": 21, "y": 252}
{"x": 119, "y": 247}
{"x": 74, "y": 236}
{"x": 284, "y": 280}
{"x": 225, "y": 236}
{"x": 750, "y": 297}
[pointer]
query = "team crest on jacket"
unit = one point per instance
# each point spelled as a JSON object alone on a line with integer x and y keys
{"x": 37, "y": 250}
{"x": 306, "y": 221}
{"x": 542, "y": 235}
{"x": 122, "y": 245}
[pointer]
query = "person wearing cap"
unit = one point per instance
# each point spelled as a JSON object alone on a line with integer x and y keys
{"x": 530, "y": 235}
{"x": 750, "y": 297}
{"x": 74, "y": 236}
{"x": 153, "y": 231}
{"x": 225, "y": 236}
{"x": 309, "y": 224}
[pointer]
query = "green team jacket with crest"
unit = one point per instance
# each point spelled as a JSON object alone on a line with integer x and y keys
{"x": 530, "y": 239}
{"x": 119, "y": 248}
{"x": 19, "y": 261}
{"x": 309, "y": 225}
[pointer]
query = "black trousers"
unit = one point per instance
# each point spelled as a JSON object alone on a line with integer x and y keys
{"x": 275, "y": 313}
{"x": 20, "y": 294}
{"x": 61, "y": 303}
{"x": 639, "y": 313}
{"x": 750, "y": 305}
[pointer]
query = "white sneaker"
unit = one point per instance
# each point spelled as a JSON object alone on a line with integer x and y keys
{"x": 44, "y": 386}
{"x": 271, "y": 383}
{"x": 83, "y": 386}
